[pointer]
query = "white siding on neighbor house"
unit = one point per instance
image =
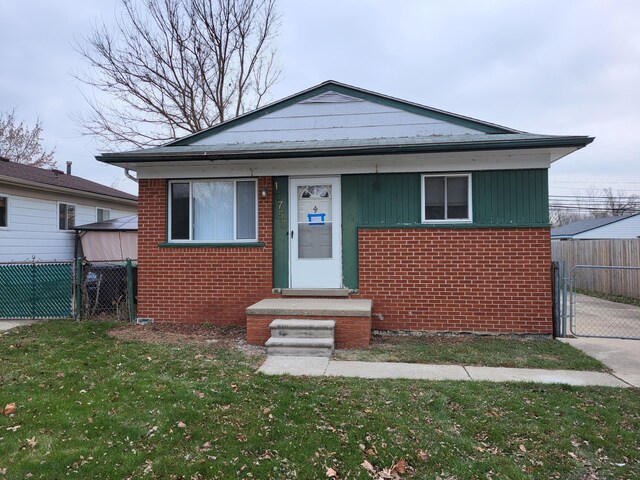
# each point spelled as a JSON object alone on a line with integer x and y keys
{"x": 625, "y": 228}
{"x": 33, "y": 231}
{"x": 332, "y": 116}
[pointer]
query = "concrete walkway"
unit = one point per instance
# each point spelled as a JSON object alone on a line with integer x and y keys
{"x": 322, "y": 366}
{"x": 621, "y": 356}
{"x": 9, "y": 324}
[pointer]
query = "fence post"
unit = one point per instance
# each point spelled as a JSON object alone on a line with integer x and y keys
{"x": 130, "y": 294}
{"x": 563, "y": 265}
{"x": 78, "y": 289}
{"x": 33, "y": 287}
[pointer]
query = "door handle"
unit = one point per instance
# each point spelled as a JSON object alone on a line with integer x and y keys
{"x": 292, "y": 234}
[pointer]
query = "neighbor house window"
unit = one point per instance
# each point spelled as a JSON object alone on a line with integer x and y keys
{"x": 103, "y": 214}
{"x": 4, "y": 211}
{"x": 213, "y": 210}
{"x": 446, "y": 198}
{"x": 66, "y": 216}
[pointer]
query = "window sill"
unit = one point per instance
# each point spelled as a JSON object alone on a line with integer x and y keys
{"x": 209, "y": 245}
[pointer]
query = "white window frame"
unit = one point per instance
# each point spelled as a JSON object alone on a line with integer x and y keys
{"x": 67, "y": 220}
{"x": 235, "y": 212}
{"x": 8, "y": 210}
{"x": 446, "y": 220}
{"x": 104, "y": 210}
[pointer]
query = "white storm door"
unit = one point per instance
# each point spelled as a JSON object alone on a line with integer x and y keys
{"x": 315, "y": 232}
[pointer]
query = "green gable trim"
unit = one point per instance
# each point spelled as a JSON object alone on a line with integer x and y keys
{"x": 280, "y": 232}
{"x": 333, "y": 86}
{"x": 210, "y": 245}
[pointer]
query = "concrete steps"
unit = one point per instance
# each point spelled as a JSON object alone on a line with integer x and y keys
{"x": 350, "y": 320}
{"x": 312, "y": 338}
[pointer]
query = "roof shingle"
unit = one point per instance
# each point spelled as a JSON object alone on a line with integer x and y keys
{"x": 57, "y": 178}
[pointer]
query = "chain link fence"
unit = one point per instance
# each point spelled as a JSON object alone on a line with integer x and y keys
{"x": 106, "y": 289}
{"x": 75, "y": 289}
{"x": 36, "y": 289}
{"x": 604, "y": 301}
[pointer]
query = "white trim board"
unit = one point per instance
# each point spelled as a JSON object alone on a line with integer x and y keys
{"x": 432, "y": 163}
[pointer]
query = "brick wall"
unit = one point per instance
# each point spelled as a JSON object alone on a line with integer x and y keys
{"x": 349, "y": 332}
{"x": 457, "y": 279}
{"x": 199, "y": 284}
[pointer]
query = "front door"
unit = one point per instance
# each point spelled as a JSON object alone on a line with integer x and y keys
{"x": 315, "y": 232}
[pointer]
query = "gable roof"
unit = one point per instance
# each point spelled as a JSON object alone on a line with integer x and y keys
{"x": 581, "y": 226}
{"x": 447, "y": 131}
{"x": 56, "y": 178}
{"x": 331, "y": 86}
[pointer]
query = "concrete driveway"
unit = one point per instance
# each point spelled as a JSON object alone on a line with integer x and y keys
{"x": 622, "y": 356}
{"x": 9, "y": 324}
{"x": 603, "y": 318}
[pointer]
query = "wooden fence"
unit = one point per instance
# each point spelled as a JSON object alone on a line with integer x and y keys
{"x": 613, "y": 252}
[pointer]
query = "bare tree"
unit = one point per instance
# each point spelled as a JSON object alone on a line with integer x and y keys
{"x": 22, "y": 144}
{"x": 172, "y": 67}
{"x": 620, "y": 203}
{"x": 594, "y": 203}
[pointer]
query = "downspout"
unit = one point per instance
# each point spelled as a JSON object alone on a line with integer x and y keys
{"x": 129, "y": 176}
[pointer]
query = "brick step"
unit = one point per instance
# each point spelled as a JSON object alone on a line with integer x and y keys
{"x": 302, "y": 347}
{"x": 298, "y": 328}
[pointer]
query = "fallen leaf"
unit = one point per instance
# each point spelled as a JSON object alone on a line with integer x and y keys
{"x": 266, "y": 410}
{"x": 399, "y": 467}
{"x": 331, "y": 473}
{"x": 60, "y": 375}
{"x": 9, "y": 409}
{"x": 368, "y": 467}
{"x": 198, "y": 394}
{"x": 13, "y": 429}
{"x": 423, "y": 455}
{"x": 181, "y": 425}
{"x": 3, "y": 471}
{"x": 32, "y": 442}
{"x": 523, "y": 448}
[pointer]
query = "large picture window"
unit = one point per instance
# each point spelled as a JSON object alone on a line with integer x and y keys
{"x": 213, "y": 210}
{"x": 66, "y": 216}
{"x": 446, "y": 198}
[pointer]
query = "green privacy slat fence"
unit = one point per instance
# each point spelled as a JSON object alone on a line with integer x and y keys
{"x": 35, "y": 290}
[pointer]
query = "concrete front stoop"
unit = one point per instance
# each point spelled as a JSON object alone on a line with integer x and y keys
{"x": 312, "y": 338}
{"x": 274, "y": 322}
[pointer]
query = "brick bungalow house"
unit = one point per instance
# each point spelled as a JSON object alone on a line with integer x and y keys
{"x": 438, "y": 221}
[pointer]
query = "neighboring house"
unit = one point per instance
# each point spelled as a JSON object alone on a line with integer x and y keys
{"x": 439, "y": 219}
{"x": 39, "y": 209}
{"x": 624, "y": 226}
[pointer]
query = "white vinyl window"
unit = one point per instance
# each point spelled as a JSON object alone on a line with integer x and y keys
{"x": 66, "y": 216}
{"x": 4, "y": 211}
{"x": 446, "y": 198}
{"x": 213, "y": 210}
{"x": 102, "y": 214}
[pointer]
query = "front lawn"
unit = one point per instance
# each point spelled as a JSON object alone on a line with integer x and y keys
{"x": 487, "y": 351}
{"x": 93, "y": 406}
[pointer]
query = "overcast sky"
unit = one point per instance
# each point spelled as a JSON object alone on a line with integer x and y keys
{"x": 554, "y": 67}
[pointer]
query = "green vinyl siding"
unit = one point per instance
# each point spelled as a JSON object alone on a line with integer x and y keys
{"x": 280, "y": 232}
{"x": 500, "y": 198}
{"x": 510, "y": 198}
